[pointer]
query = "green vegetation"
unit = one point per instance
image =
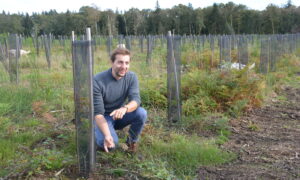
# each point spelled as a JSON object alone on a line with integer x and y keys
{"x": 38, "y": 137}
{"x": 173, "y": 155}
{"x": 26, "y": 124}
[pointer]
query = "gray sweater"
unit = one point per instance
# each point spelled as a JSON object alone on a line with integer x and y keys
{"x": 110, "y": 94}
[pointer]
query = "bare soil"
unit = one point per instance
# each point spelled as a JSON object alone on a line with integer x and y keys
{"x": 266, "y": 141}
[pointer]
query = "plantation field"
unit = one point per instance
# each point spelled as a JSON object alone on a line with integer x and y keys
{"x": 230, "y": 118}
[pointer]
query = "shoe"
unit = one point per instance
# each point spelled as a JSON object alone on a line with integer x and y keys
{"x": 132, "y": 147}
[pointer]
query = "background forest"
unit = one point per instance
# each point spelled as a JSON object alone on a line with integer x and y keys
{"x": 221, "y": 18}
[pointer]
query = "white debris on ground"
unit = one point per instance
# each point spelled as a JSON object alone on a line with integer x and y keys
{"x": 12, "y": 52}
{"x": 236, "y": 66}
{"x": 121, "y": 46}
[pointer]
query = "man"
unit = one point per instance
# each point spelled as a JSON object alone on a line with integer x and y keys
{"x": 111, "y": 90}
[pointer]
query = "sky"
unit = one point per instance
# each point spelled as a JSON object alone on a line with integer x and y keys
{"x": 29, "y": 6}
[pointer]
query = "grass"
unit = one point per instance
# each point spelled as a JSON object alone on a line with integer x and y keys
{"x": 25, "y": 120}
{"x": 36, "y": 136}
{"x": 15, "y": 100}
{"x": 171, "y": 156}
{"x": 15, "y": 137}
{"x": 185, "y": 153}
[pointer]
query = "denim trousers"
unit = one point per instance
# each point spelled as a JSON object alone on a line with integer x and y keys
{"x": 135, "y": 119}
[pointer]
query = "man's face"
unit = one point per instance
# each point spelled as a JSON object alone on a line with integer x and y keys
{"x": 120, "y": 66}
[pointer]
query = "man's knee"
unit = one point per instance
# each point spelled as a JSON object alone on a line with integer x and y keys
{"x": 142, "y": 114}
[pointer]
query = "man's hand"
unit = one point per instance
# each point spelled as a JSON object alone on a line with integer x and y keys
{"x": 119, "y": 113}
{"x": 108, "y": 143}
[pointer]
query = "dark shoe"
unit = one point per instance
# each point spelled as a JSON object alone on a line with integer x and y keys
{"x": 132, "y": 147}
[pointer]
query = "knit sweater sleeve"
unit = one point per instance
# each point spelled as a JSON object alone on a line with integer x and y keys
{"x": 134, "y": 92}
{"x": 98, "y": 98}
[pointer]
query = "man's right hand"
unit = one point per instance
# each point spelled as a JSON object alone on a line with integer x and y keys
{"x": 119, "y": 113}
{"x": 108, "y": 143}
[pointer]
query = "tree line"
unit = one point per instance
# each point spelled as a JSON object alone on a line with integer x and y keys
{"x": 229, "y": 18}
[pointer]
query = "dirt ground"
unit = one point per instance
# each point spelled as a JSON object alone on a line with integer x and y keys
{"x": 266, "y": 141}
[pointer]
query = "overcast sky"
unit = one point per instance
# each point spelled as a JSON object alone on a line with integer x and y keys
{"x": 16, "y": 6}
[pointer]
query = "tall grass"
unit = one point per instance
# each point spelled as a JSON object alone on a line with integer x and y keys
{"x": 25, "y": 114}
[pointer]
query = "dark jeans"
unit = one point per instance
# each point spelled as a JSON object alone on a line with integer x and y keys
{"x": 135, "y": 119}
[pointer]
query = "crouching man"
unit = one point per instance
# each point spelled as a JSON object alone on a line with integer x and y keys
{"x": 112, "y": 89}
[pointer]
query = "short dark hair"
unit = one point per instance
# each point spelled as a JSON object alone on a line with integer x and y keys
{"x": 122, "y": 51}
